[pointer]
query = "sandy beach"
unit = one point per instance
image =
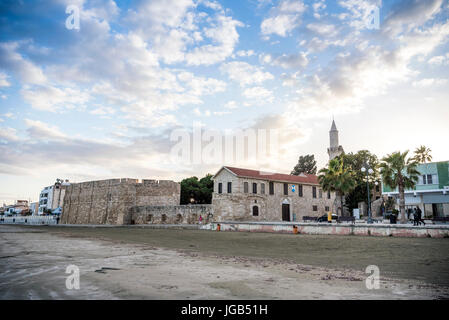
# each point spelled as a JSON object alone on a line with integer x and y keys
{"x": 138, "y": 263}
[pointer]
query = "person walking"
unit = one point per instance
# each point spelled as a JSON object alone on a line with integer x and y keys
{"x": 415, "y": 217}
{"x": 201, "y": 219}
{"x": 419, "y": 214}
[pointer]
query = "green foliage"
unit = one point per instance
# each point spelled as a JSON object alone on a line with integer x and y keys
{"x": 198, "y": 190}
{"x": 422, "y": 154}
{"x": 306, "y": 164}
{"x": 400, "y": 172}
{"x": 337, "y": 177}
{"x": 355, "y": 162}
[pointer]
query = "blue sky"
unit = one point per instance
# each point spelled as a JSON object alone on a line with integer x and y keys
{"x": 101, "y": 101}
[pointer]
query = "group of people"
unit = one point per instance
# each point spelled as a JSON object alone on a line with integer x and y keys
{"x": 417, "y": 217}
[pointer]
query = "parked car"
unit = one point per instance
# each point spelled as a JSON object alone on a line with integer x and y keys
{"x": 323, "y": 218}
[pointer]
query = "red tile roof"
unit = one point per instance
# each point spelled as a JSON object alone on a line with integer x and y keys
{"x": 256, "y": 174}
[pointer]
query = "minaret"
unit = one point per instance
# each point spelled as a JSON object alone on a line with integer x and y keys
{"x": 334, "y": 149}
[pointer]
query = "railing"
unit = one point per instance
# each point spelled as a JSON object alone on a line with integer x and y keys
{"x": 29, "y": 220}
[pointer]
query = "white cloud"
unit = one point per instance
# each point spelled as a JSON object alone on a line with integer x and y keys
{"x": 3, "y": 81}
{"x": 429, "y": 82}
{"x": 322, "y": 29}
{"x": 258, "y": 93}
{"x": 244, "y": 73}
{"x": 8, "y": 135}
{"x": 15, "y": 63}
{"x": 283, "y": 18}
{"x": 53, "y": 99}
{"x": 247, "y": 53}
{"x": 292, "y": 61}
{"x": 230, "y": 105}
{"x": 42, "y": 131}
{"x": 439, "y": 60}
{"x": 225, "y": 37}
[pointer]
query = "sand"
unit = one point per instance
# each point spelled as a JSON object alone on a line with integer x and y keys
{"x": 136, "y": 263}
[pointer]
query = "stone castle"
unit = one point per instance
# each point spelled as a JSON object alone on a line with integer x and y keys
{"x": 111, "y": 201}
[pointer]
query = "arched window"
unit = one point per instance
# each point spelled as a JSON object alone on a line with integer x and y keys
{"x": 255, "y": 211}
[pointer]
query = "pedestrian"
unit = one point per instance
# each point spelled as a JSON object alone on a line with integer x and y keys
{"x": 415, "y": 217}
{"x": 201, "y": 219}
{"x": 419, "y": 214}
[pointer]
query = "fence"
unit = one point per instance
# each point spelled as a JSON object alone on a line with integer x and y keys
{"x": 31, "y": 220}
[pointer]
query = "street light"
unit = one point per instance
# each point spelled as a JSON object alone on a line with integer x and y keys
{"x": 369, "y": 171}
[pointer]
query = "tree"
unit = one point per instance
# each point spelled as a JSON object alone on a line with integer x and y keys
{"x": 337, "y": 178}
{"x": 422, "y": 154}
{"x": 400, "y": 172}
{"x": 197, "y": 191}
{"x": 306, "y": 164}
{"x": 355, "y": 162}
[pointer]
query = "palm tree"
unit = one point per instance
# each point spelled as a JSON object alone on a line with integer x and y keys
{"x": 422, "y": 154}
{"x": 337, "y": 178}
{"x": 399, "y": 172}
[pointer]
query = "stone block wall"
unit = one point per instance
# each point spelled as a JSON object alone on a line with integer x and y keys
{"x": 181, "y": 214}
{"x": 110, "y": 201}
{"x": 238, "y": 205}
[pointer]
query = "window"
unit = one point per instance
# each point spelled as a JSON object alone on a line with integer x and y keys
{"x": 300, "y": 190}
{"x": 286, "y": 189}
{"x": 315, "y": 208}
{"x": 271, "y": 187}
{"x": 229, "y": 187}
{"x": 262, "y": 188}
{"x": 328, "y": 194}
{"x": 321, "y": 193}
{"x": 377, "y": 188}
{"x": 254, "y": 188}
{"x": 326, "y": 208}
{"x": 428, "y": 179}
{"x": 245, "y": 187}
{"x": 255, "y": 211}
{"x": 314, "y": 192}
{"x": 220, "y": 187}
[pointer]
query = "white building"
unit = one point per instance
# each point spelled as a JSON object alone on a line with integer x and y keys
{"x": 52, "y": 197}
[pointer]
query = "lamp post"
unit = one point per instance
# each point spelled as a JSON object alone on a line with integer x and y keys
{"x": 369, "y": 171}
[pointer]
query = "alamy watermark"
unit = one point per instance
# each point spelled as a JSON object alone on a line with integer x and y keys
{"x": 258, "y": 147}
{"x": 372, "y": 21}
{"x": 73, "y": 280}
{"x": 73, "y": 20}
{"x": 373, "y": 280}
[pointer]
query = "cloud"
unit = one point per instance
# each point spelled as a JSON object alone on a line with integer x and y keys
{"x": 283, "y": 18}
{"x": 3, "y": 81}
{"x": 20, "y": 67}
{"x": 42, "y": 131}
{"x": 410, "y": 14}
{"x": 244, "y": 73}
{"x": 224, "y": 36}
{"x": 292, "y": 61}
{"x": 258, "y": 93}
{"x": 7, "y": 135}
{"x": 429, "y": 82}
{"x": 53, "y": 99}
{"x": 439, "y": 60}
{"x": 323, "y": 29}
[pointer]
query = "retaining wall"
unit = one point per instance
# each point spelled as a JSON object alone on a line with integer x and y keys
{"x": 391, "y": 230}
{"x": 31, "y": 220}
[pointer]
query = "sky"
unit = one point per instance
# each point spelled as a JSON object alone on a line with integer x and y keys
{"x": 102, "y": 98}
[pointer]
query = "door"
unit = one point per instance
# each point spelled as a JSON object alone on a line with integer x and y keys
{"x": 285, "y": 212}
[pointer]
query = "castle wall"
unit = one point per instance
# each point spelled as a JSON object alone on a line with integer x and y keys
{"x": 110, "y": 201}
{"x": 180, "y": 214}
